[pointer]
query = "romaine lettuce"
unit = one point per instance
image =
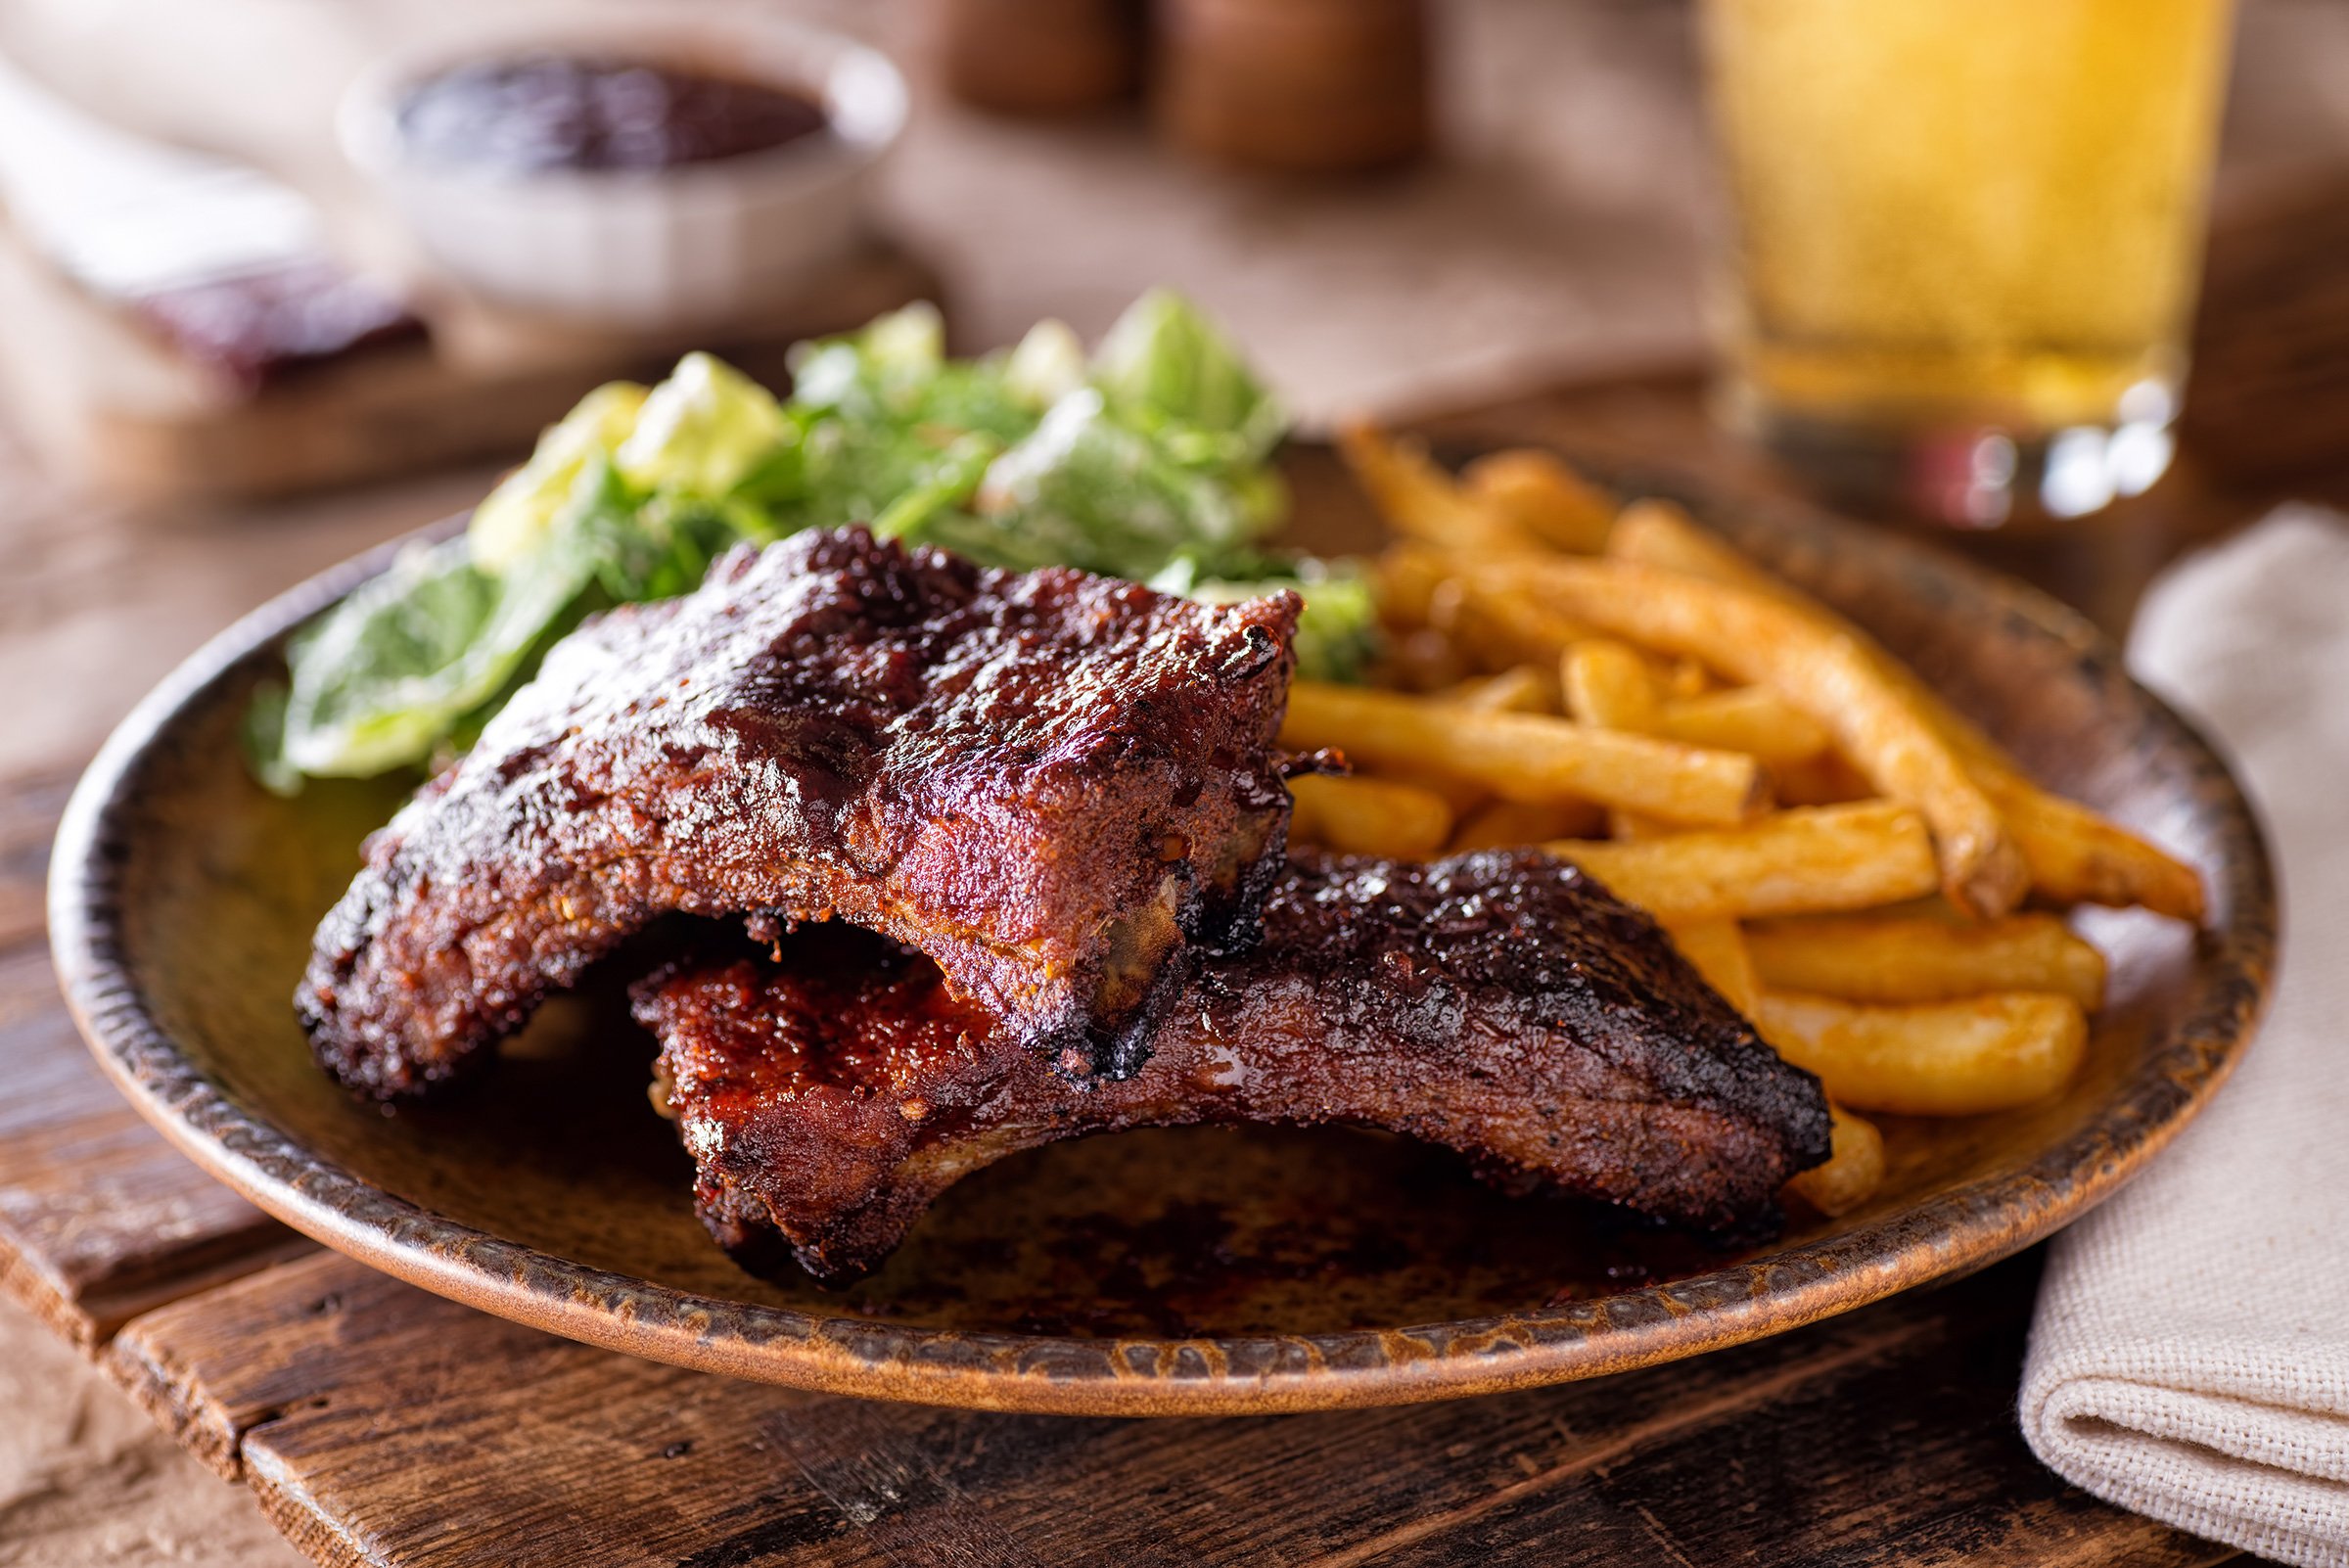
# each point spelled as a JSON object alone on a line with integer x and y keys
{"x": 1148, "y": 461}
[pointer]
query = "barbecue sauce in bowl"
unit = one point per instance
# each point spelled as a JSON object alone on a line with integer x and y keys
{"x": 545, "y": 112}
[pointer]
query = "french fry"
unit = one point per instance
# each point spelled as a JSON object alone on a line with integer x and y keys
{"x": 1496, "y": 636}
{"x": 1525, "y": 757}
{"x": 1744, "y": 719}
{"x": 1518, "y": 689}
{"x": 1952, "y": 1058}
{"x": 1369, "y": 817}
{"x": 1716, "y": 949}
{"x": 1824, "y": 780}
{"x": 1658, "y": 533}
{"x": 1816, "y": 859}
{"x": 1543, "y": 497}
{"x": 1917, "y": 958}
{"x": 1408, "y": 577}
{"x": 1461, "y": 795}
{"x": 1421, "y": 502}
{"x": 1760, "y": 639}
{"x": 1501, "y": 630}
{"x": 1609, "y": 682}
{"x": 2073, "y": 854}
{"x": 1503, "y": 824}
{"x": 1854, "y": 1169}
{"x": 1687, "y": 677}
{"x": 1423, "y": 660}
{"x": 2077, "y": 856}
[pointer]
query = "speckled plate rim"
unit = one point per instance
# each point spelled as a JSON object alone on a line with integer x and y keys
{"x": 1953, "y": 1232}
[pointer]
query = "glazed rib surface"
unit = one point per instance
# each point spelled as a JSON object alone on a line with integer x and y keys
{"x": 1499, "y": 1003}
{"x": 1058, "y": 787}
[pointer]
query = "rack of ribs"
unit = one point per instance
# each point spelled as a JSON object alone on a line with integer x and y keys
{"x": 1058, "y": 787}
{"x": 1501, "y": 1004}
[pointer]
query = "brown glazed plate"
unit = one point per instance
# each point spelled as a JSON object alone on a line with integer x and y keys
{"x": 1192, "y": 1271}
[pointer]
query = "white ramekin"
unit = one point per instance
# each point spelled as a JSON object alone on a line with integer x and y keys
{"x": 659, "y": 247}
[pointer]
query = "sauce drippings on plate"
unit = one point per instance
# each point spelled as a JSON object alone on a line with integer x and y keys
{"x": 525, "y": 114}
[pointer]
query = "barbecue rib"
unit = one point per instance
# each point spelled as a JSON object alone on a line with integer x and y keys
{"x": 1053, "y": 784}
{"x": 1501, "y": 1004}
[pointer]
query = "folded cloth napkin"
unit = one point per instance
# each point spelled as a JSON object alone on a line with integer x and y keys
{"x": 2189, "y": 1358}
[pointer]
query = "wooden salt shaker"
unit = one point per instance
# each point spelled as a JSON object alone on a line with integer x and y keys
{"x": 1039, "y": 57}
{"x": 1298, "y": 85}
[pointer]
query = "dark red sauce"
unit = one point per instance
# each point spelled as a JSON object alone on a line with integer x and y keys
{"x": 529, "y": 112}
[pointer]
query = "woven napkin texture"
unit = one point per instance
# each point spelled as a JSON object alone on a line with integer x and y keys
{"x": 2189, "y": 1358}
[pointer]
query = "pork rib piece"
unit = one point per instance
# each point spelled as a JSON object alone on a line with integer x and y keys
{"x": 1501, "y": 1004}
{"x": 1053, "y": 784}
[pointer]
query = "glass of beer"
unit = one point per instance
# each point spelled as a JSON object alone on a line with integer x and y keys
{"x": 1967, "y": 235}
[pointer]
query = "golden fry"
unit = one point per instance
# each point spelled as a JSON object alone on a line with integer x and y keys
{"x": 1408, "y": 577}
{"x": 1505, "y": 824}
{"x": 1500, "y": 630}
{"x": 1496, "y": 636}
{"x": 1369, "y": 817}
{"x": 1918, "y": 958}
{"x": 1543, "y": 497}
{"x": 1760, "y": 639}
{"x": 1745, "y": 718}
{"x": 2077, "y": 856}
{"x": 1607, "y": 682}
{"x": 1610, "y": 682}
{"x": 1658, "y": 533}
{"x": 1518, "y": 689}
{"x": 1687, "y": 677}
{"x": 2074, "y": 855}
{"x": 1952, "y": 1058}
{"x": 1816, "y": 859}
{"x": 1825, "y": 779}
{"x": 1421, "y": 502}
{"x": 1425, "y": 660}
{"x": 1462, "y": 795}
{"x": 1853, "y": 1169}
{"x": 1716, "y": 949}
{"x": 1525, "y": 757}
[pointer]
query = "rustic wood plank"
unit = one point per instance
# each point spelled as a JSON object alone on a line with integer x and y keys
{"x": 99, "y": 1219}
{"x": 380, "y": 1425}
{"x": 481, "y": 388}
{"x": 28, "y": 814}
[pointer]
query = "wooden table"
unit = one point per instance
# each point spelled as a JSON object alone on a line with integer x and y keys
{"x": 377, "y": 1424}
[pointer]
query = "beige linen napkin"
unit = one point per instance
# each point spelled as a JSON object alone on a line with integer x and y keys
{"x": 2190, "y": 1355}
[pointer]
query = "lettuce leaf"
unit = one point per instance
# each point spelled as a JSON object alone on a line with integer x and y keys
{"x": 379, "y": 680}
{"x": 1338, "y": 636}
{"x": 1148, "y": 460}
{"x": 1166, "y": 367}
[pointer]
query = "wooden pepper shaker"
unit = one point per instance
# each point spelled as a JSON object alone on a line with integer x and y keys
{"x": 1302, "y": 85}
{"x": 1039, "y": 57}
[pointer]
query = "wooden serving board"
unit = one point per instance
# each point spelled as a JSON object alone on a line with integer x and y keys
{"x": 108, "y": 404}
{"x": 380, "y": 1425}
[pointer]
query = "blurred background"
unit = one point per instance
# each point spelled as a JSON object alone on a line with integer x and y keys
{"x": 238, "y": 340}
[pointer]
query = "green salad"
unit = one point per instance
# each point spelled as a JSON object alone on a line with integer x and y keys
{"x": 1149, "y": 458}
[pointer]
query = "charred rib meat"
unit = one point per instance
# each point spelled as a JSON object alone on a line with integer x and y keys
{"x": 1501, "y": 1004}
{"x": 1054, "y": 785}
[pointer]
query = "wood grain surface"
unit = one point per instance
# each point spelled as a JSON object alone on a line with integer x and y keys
{"x": 427, "y": 1426}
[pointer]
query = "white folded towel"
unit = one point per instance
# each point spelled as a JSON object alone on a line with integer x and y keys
{"x": 2189, "y": 1358}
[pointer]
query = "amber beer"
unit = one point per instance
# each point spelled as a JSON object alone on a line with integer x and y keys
{"x": 1967, "y": 233}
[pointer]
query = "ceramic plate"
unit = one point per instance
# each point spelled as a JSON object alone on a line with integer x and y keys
{"x": 1188, "y": 1272}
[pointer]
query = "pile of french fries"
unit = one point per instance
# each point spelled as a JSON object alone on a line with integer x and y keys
{"x": 1841, "y": 855}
